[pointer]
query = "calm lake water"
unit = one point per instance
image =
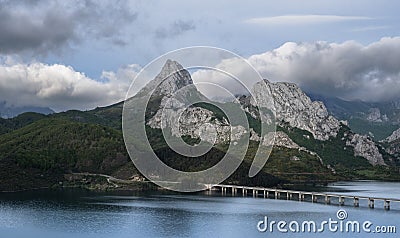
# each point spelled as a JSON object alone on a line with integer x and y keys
{"x": 159, "y": 214}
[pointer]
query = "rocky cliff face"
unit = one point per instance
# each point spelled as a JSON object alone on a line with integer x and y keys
{"x": 394, "y": 149}
{"x": 293, "y": 106}
{"x": 394, "y": 136}
{"x": 196, "y": 122}
{"x": 281, "y": 139}
{"x": 366, "y": 148}
{"x": 393, "y": 142}
{"x": 376, "y": 116}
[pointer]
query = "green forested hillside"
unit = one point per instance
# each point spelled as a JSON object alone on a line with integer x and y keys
{"x": 38, "y": 150}
{"x": 108, "y": 116}
{"x": 7, "y": 125}
{"x": 58, "y": 143}
{"x": 54, "y": 146}
{"x": 40, "y": 153}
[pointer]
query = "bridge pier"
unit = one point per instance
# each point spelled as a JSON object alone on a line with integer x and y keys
{"x": 327, "y": 199}
{"x": 356, "y": 202}
{"x": 371, "y": 203}
{"x": 314, "y": 198}
{"x": 301, "y": 197}
{"x": 264, "y": 193}
{"x": 387, "y": 204}
{"x": 341, "y": 200}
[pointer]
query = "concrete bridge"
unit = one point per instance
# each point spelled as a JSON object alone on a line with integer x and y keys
{"x": 314, "y": 197}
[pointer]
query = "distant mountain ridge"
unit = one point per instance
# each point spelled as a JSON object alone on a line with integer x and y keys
{"x": 13, "y": 111}
{"x": 378, "y": 120}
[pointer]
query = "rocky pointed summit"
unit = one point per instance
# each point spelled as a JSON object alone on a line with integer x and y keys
{"x": 171, "y": 78}
{"x": 176, "y": 96}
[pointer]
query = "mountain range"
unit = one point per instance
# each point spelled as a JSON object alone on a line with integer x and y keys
{"x": 10, "y": 111}
{"x": 314, "y": 139}
{"x": 377, "y": 120}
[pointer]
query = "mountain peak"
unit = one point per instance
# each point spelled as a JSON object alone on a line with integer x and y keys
{"x": 171, "y": 78}
{"x": 171, "y": 64}
{"x": 170, "y": 67}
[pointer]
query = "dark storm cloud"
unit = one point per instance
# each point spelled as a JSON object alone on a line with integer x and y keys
{"x": 104, "y": 20}
{"x": 177, "y": 28}
{"x": 20, "y": 32}
{"x": 42, "y": 26}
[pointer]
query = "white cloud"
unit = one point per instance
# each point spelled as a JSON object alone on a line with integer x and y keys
{"x": 233, "y": 75}
{"x": 347, "y": 70}
{"x": 302, "y": 19}
{"x": 60, "y": 87}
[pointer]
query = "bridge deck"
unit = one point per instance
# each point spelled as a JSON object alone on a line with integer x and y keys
{"x": 315, "y": 195}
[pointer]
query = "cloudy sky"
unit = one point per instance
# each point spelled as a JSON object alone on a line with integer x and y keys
{"x": 83, "y": 54}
